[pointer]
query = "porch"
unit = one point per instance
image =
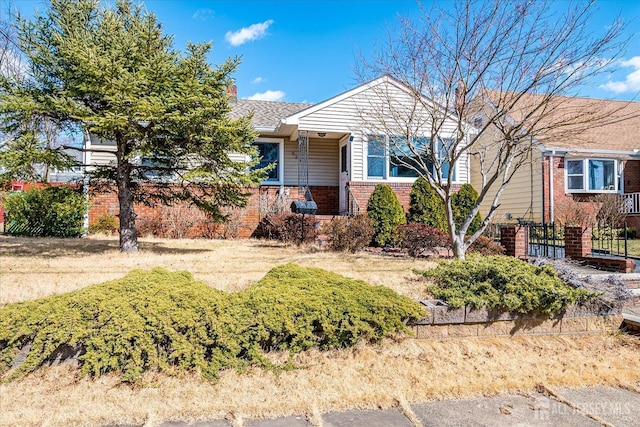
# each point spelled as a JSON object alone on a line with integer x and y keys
{"x": 632, "y": 203}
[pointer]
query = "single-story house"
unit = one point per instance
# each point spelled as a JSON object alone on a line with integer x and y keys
{"x": 566, "y": 171}
{"x": 335, "y": 149}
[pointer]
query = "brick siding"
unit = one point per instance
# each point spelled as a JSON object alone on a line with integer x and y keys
{"x": 261, "y": 199}
{"x": 362, "y": 192}
{"x": 561, "y": 198}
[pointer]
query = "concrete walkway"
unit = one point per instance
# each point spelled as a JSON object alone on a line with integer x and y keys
{"x": 583, "y": 407}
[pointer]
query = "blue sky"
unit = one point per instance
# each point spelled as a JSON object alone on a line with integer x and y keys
{"x": 306, "y": 51}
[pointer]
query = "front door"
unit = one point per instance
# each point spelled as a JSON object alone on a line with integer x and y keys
{"x": 344, "y": 176}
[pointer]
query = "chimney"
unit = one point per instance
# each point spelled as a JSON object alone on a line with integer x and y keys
{"x": 232, "y": 92}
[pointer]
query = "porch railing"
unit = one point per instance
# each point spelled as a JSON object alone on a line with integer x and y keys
{"x": 353, "y": 207}
{"x": 632, "y": 203}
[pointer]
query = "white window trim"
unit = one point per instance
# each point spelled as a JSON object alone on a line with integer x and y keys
{"x": 388, "y": 177}
{"x": 585, "y": 176}
{"x": 280, "y": 165}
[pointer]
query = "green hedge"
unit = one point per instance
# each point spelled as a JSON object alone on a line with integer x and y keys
{"x": 168, "y": 321}
{"x": 504, "y": 283}
{"x": 46, "y": 212}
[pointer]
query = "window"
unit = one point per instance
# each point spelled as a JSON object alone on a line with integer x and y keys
{"x": 270, "y": 152}
{"x": 377, "y": 157}
{"x": 394, "y": 158}
{"x": 591, "y": 175}
{"x": 343, "y": 158}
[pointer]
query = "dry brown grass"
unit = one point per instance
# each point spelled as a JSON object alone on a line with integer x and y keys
{"x": 35, "y": 268}
{"x": 387, "y": 375}
{"x": 364, "y": 377}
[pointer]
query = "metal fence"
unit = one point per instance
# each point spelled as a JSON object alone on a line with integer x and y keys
{"x": 609, "y": 240}
{"x": 546, "y": 240}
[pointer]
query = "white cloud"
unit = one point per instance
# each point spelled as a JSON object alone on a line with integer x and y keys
{"x": 270, "y": 95}
{"x": 631, "y": 83}
{"x": 258, "y": 80}
{"x": 247, "y": 34}
{"x": 203, "y": 14}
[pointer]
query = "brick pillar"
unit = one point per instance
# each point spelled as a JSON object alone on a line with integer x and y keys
{"x": 577, "y": 242}
{"x": 513, "y": 239}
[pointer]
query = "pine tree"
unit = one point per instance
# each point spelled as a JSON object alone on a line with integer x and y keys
{"x": 111, "y": 71}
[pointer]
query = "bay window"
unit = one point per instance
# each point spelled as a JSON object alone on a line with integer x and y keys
{"x": 591, "y": 175}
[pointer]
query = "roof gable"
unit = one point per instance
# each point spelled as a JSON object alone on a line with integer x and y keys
{"x": 294, "y": 119}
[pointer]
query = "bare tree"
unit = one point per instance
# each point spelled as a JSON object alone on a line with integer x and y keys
{"x": 489, "y": 79}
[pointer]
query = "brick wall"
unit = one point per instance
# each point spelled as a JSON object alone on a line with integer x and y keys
{"x": 577, "y": 242}
{"x": 632, "y": 176}
{"x": 362, "y": 192}
{"x": 261, "y": 199}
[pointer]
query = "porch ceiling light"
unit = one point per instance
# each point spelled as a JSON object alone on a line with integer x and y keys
{"x": 322, "y": 134}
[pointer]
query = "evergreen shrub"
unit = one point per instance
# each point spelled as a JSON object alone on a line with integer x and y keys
{"x": 386, "y": 212}
{"x": 503, "y": 283}
{"x": 485, "y": 246}
{"x": 462, "y": 203}
{"x": 425, "y": 207}
{"x": 46, "y": 212}
{"x": 167, "y": 321}
{"x": 105, "y": 223}
{"x": 349, "y": 234}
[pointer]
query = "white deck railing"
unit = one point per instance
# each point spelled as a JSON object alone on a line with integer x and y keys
{"x": 632, "y": 203}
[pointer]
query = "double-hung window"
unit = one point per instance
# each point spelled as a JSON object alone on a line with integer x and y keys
{"x": 591, "y": 175}
{"x": 270, "y": 151}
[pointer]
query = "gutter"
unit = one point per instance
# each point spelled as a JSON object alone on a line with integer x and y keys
{"x": 565, "y": 150}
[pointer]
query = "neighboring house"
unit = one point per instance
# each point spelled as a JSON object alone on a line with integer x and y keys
{"x": 335, "y": 149}
{"x": 566, "y": 172}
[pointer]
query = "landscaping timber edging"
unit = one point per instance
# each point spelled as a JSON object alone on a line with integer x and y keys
{"x": 443, "y": 321}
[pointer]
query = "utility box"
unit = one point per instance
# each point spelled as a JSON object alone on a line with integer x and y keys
{"x": 304, "y": 207}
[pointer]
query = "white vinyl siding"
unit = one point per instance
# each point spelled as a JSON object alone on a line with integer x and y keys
{"x": 323, "y": 162}
{"x": 352, "y": 115}
{"x": 100, "y": 158}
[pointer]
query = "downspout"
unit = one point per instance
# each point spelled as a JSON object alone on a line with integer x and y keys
{"x": 85, "y": 177}
{"x": 551, "y": 210}
{"x": 542, "y": 192}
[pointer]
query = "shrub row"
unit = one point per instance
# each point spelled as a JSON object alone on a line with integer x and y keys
{"x": 168, "y": 321}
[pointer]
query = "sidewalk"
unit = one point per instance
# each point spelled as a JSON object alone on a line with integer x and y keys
{"x": 593, "y": 406}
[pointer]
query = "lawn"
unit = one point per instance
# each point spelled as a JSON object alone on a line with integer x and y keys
{"x": 367, "y": 376}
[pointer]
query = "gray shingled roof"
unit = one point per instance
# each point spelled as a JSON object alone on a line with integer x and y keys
{"x": 266, "y": 114}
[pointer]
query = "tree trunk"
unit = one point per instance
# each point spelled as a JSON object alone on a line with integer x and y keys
{"x": 457, "y": 245}
{"x": 127, "y": 230}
